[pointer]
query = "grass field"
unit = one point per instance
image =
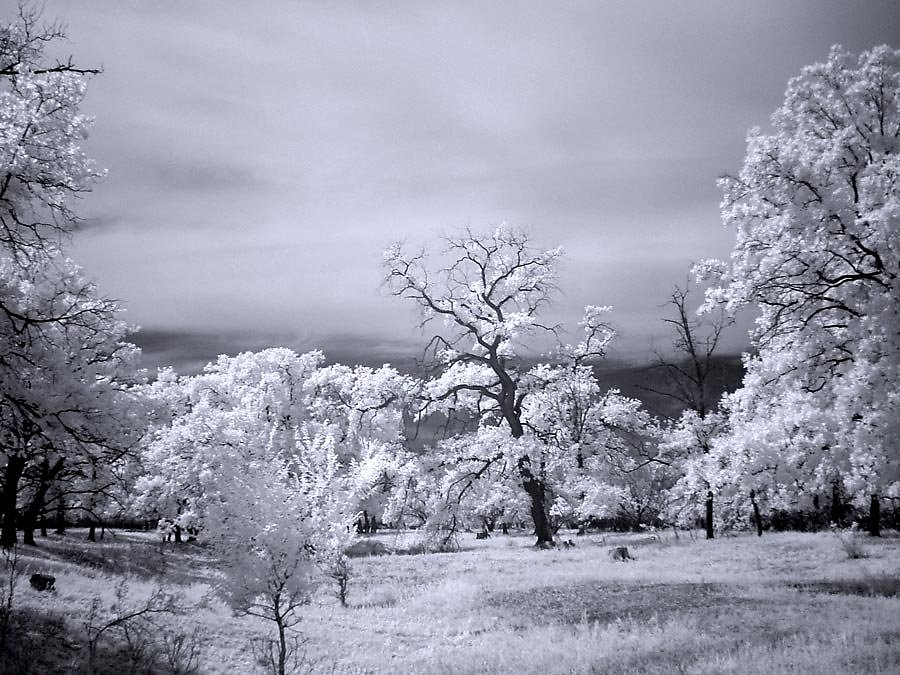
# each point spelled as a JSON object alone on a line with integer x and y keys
{"x": 782, "y": 603}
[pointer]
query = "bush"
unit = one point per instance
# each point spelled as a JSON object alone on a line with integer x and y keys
{"x": 851, "y": 541}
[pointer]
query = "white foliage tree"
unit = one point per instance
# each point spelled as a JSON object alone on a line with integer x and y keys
{"x": 42, "y": 165}
{"x": 816, "y": 210}
{"x": 489, "y": 296}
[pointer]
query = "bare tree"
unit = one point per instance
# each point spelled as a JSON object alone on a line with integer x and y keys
{"x": 489, "y": 296}
{"x": 690, "y": 370}
{"x": 692, "y": 373}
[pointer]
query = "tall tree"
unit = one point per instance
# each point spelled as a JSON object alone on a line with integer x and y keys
{"x": 489, "y": 295}
{"x": 816, "y": 210}
{"x": 65, "y": 367}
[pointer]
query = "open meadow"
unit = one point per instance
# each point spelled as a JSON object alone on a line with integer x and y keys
{"x": 784, "y": 602}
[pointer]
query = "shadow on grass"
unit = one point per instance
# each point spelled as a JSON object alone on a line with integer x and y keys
{"x": 127, "y": 553}
{"x": 580, "y": 603}
{"x": 882, "y": 586}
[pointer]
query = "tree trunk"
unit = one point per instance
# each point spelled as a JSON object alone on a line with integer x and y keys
{"x": 61, "y": 516}
{"x": 533, "y": 486}
{"x": 282, "y": 648}
{"x": 177, "y": 530}
{"x": 15, "y": 465}
{"x": 756, "y": 517}
{"x": 875, "y": 516}
{"x": 816, "y": 515}
{"x": 535, "y": 490}
{"x": 837, "y": 507}
{"x": 92, "y": 531}
{"x": 282, "y": 636}
{"x": 710, "y": 534}
{"x": 28, "y": 533}
{"x": 36, "y": 507}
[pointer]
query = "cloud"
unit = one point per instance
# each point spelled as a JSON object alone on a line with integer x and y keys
{"x": 260, "y": 160}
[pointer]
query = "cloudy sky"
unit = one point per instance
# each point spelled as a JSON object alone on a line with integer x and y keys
{"x": 262, "y": 155}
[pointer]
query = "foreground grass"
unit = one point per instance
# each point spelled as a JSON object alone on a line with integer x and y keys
{"x": 786, "y": 602}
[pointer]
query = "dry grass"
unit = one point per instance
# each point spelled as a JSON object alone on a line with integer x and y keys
{"x": 786, "y": 602}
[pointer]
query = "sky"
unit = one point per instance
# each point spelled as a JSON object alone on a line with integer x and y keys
{"x": 261, "y": 156}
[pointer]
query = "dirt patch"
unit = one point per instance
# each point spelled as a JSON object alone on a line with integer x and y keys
{"x": 885, "y": 587}
{"x": 609, "y": 603}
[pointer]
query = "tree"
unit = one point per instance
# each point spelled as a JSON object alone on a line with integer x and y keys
{"x": 244, "y": 404}
{"x": 42, "y": 165}
{"x": 66, "y": 371}
{"x": 692, "y": 374}
{"x": 209, "y": 423}
{"x": 692, "y": 380}
{"x": 815, "y": 209}
{"x": 490, "y": 295}
{"x": 366, "y": 408}
{"x": 275, "y": 515}
{"x": 596, "y": 444}
{"x": 245, "y": 456}
{"x": 67, "y": 378}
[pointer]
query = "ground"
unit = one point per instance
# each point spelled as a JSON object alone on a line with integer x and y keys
{"x": 783, "y": 602}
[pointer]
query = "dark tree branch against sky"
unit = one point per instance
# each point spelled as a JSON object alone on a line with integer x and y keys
{"x": 261, "y": 157}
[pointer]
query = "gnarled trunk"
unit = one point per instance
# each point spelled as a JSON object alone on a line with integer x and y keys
{"x": 532, "y": 484}
{"x": 535, "y": 490}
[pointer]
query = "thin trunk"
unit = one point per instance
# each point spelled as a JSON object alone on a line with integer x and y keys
{"x": 282, "y": 638}
{"x": 816, "y": 515}
{"x": 875, "y": 516}
{"x": 92, "y": 531}
{"x": 756, "y": 517}
{"x": 15, "y": 465}
{"x": 710, "y": 534}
